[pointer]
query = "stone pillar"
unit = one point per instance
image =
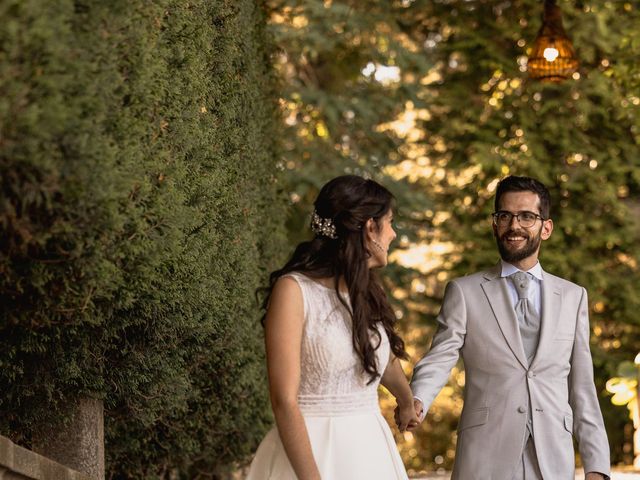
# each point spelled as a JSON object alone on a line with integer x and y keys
{"x": 80, "y": 444}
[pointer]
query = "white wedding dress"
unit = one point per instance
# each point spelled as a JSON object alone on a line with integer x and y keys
{"x": 349, "y": 437}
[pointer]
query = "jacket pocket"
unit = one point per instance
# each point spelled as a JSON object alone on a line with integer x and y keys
{"x": 568, "y": 423}
{"x": 473, "y": 418}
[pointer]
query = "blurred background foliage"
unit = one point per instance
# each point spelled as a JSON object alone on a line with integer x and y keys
{"x": 432, "y": 99}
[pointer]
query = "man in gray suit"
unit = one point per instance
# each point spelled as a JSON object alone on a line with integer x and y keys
{"x": 524, "y": 338}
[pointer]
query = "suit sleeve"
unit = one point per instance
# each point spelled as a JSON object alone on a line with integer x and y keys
{"x": 432, "y": 372}
{"x": 588, "y": 426}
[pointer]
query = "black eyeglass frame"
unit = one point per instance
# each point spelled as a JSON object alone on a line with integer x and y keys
{"x": 517, "y": 217}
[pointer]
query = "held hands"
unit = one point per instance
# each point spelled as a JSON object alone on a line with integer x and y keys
{"x": 408, "y": 415}
{"x": 594, "y": 476}
{"x": 419, "y": 408}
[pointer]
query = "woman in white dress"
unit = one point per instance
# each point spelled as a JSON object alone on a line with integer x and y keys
{"x": 330, "y": 341}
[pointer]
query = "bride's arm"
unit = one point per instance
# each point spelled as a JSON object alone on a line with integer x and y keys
{"x": 396, "y": 382}
{"x": 283, "y": 336}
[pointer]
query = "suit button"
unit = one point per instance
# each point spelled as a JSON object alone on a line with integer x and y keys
{"x": 530, "y": 374}
{"x": 521, "y": 409}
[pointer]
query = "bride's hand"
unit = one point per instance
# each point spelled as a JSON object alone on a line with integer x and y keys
{"x": 406, "y": 417}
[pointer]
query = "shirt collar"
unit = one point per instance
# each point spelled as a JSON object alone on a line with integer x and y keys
{"x": 508, "y": 269}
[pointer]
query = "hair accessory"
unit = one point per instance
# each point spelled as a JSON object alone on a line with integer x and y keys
{"x": 323, "y": 226}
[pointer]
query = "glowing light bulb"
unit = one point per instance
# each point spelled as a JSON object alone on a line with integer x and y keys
{"x": 550, "y": 54}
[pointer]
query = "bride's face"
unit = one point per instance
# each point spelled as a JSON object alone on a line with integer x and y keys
{"x": 379, "y": 236}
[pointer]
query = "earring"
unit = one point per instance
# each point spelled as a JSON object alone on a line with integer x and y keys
{"x": 377, "y": 245}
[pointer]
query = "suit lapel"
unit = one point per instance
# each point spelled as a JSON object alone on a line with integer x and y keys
{"x": 496, "y": 291}
{"x": 551, "y": 300}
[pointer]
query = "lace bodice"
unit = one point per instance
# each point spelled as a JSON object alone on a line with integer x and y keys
{"x": 332, "y": 380}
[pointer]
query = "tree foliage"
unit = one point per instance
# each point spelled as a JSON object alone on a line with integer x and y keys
{"x": 139, "y": 213}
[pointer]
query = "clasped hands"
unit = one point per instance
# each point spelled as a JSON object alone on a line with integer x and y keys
{"x": 408, "y": 415}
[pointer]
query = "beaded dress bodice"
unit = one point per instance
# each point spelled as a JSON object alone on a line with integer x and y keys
{"x": 332, "y": 380}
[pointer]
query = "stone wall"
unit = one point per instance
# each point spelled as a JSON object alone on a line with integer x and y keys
{"x": 17, "y": 463}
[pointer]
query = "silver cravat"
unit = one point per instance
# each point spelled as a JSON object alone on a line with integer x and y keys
{"x": 528, "y": 318}
{"x": 528, "y": 322}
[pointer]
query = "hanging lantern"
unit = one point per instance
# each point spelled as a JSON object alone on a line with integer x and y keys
{"x": 552, "y": 57}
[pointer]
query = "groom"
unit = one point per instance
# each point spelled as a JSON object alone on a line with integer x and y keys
{"x": 524, "y": 337}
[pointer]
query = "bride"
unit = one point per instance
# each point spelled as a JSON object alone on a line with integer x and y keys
{"x": 330, "y": 341}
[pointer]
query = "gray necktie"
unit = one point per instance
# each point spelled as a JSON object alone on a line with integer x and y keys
{"x": 528, "y": 318}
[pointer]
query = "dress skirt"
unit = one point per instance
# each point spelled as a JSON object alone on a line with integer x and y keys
{"x": 345, "y": 447}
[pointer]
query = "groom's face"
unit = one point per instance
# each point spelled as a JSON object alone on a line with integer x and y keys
{"x": 515, "y": 242}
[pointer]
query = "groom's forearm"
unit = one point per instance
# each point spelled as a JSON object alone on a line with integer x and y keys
{"x": 430, "y": 375}
{"x": 432, "y": 372}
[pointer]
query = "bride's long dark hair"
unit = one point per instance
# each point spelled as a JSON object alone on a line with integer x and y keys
{"x": 349, "y": 201}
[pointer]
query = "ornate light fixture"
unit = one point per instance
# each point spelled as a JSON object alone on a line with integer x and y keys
{"x": 552, "y": 56}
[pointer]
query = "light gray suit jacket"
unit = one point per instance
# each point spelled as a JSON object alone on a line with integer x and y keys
{"x": 478, "y": 321}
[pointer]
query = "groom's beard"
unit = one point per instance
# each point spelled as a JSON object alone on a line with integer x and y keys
{"x": 509, "y": 255}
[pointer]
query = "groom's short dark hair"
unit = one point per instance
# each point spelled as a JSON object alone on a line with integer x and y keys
{"x": 513, "y": 183}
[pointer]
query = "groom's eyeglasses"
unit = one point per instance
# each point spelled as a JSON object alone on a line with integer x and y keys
{"x": 525, "y": 219}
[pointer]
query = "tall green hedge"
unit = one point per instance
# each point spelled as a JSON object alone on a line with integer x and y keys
{"x": 139, "y": 212}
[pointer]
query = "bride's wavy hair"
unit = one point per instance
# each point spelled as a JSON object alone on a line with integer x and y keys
{"x": 349, "y": 201}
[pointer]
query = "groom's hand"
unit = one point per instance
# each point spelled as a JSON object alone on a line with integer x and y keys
{"x": 594, "y": 476}
{"x": 419, "y": 408}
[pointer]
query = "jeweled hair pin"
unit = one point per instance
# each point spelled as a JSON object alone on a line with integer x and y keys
{"x": 323, "y": 226}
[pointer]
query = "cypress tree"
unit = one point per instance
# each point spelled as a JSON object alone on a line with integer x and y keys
{"x": 139, "y": 214}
